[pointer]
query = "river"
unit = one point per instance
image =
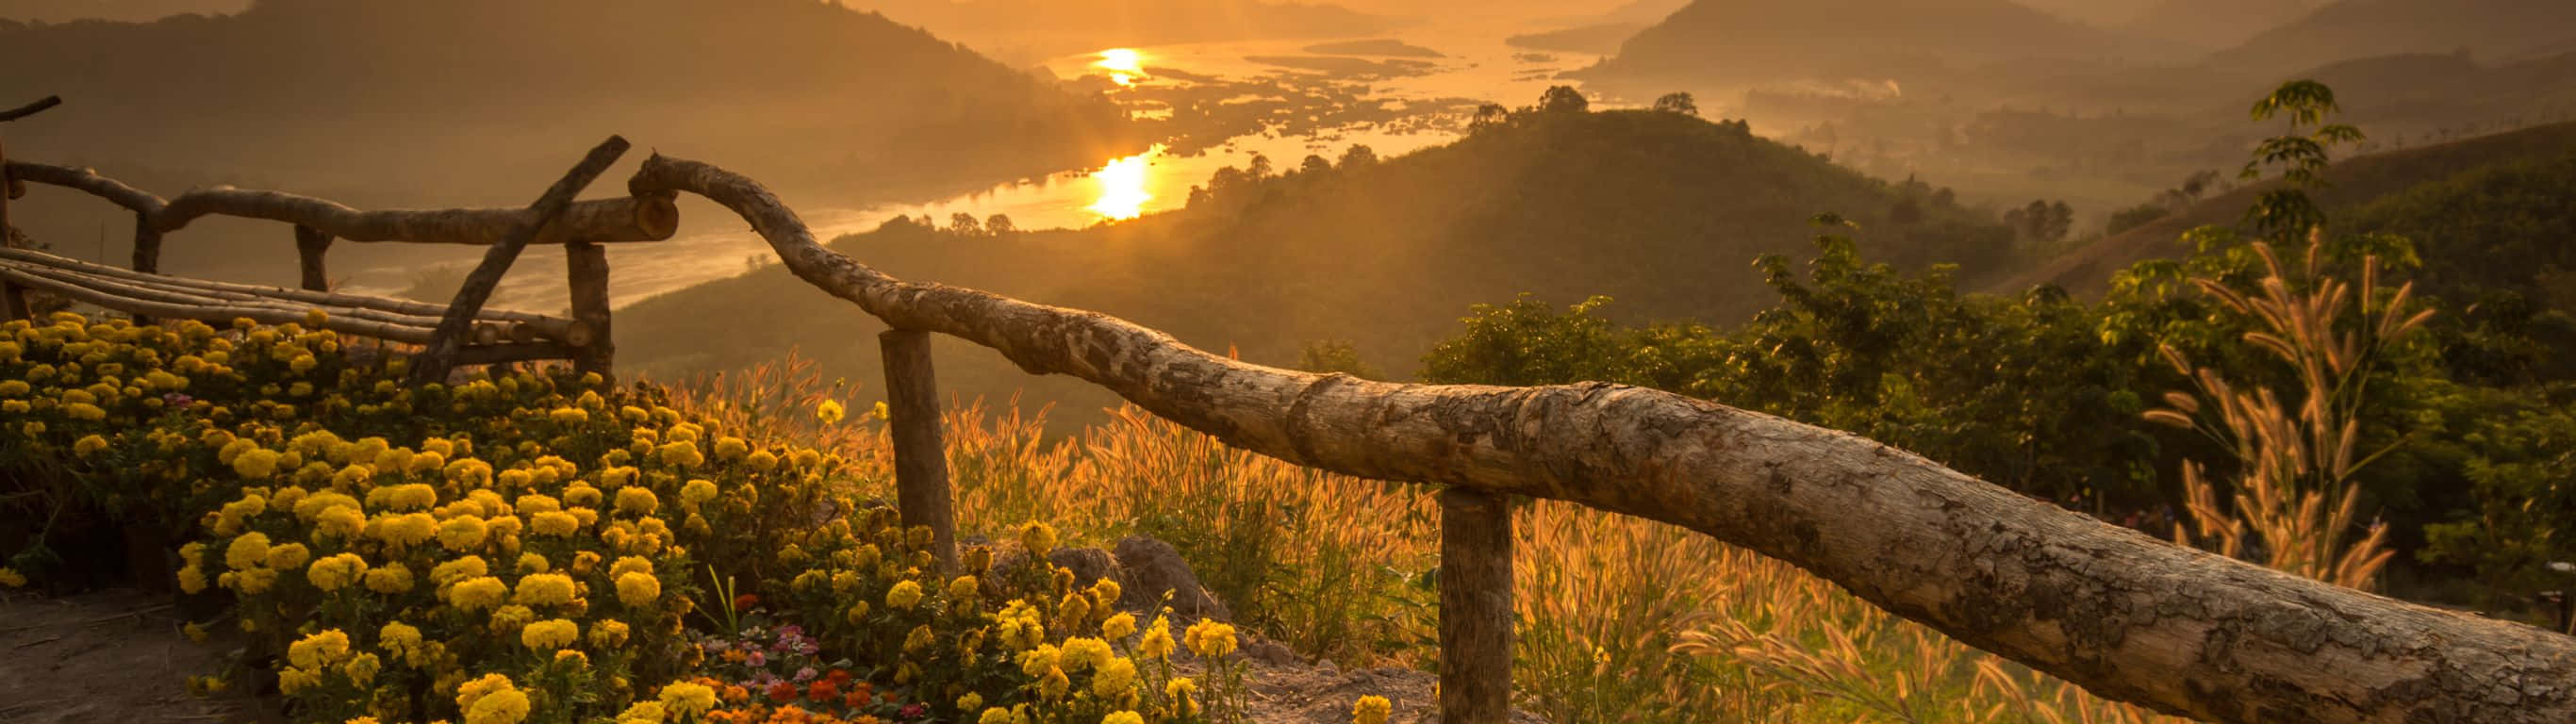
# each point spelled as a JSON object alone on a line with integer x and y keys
{"x": 1331, "y": 101}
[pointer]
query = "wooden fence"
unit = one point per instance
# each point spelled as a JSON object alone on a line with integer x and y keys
{"x": 2127, "y": 616}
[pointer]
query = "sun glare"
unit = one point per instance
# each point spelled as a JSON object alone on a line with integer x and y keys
{"x": 1125, "y": 65}
{"x": 1122, "y": 185}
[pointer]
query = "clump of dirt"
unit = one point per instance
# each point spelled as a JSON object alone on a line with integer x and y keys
{"x": 105, "y": 656}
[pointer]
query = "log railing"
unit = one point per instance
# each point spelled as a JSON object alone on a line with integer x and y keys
{"x": 2126, "y": 616}
{"x": 457, "y": 333}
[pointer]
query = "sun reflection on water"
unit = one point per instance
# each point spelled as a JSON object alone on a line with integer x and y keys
{"x": 1125, "y": 65}
{"x": 1122, "y": 185}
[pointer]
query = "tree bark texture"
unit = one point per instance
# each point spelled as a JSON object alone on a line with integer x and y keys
{"x": 1475, "y": 606}
{"x": 586, "y": 272}
{"x": 2125, "y": 615}
{"x": 434, "y": 363}
{"x": 920, "y": 449}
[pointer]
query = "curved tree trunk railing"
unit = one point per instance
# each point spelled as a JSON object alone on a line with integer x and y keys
{"x": 2124, "y": 615}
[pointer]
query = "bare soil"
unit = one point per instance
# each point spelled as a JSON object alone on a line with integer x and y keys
{"x": 106, "y": 656}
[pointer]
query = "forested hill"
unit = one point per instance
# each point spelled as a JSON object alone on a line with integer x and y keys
{"x": 1740, "y": 42}
{"x": 447, "y": 98}
{"x": 2357, "y": 182}
{"x": 1665, "y": 211}
{"x": 2494, "y": 30}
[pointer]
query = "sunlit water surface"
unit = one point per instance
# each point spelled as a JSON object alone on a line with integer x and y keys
{"x": 712, "y": 247}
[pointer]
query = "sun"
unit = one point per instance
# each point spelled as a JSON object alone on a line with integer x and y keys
{"x": 1125, "y": 65}
{"x": 1122, "y": 185}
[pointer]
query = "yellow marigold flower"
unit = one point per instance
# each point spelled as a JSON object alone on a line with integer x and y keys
{"x": 608, "y": 633}
{"x": 636, "y": 500}
{"x": 549, "y": 634}
{"x": 533, "y": 503}
{"x": 399, "y": 639}
{"x": 246, "y": 551}
{"x": 687, "y": 699}
{"x": 731, "y": 448}
{"x": 1038, "y": 538}
{"x": 962, "y": 589}
{"x": 1116, "y": 678}
{"x": 389, "y": 579}
{"x": 683, "y": 454}
{"x": 1083, "y": 653}
{"x": 191, "y": 579}
{"x": 11, "y": 578}
{"x": 545, "y": 589}
{"x": 554, "y": 523}
{"x": 1371, "y": 709}
{"x": 1124, "y": 717}
{"x": 89, "y": 412}
{"x": 638, "y": 589}
{"x": 643, "y": 712}
{"x": 630, "y": 564}
{"x": 507, "y": 706}
{"x": 763, "y": 461}
{"x": 995, "y": 715}
{"x": 89, "y": 445}
{"x": 195, "y": 632}
{"x": 312, "y": 505}
{"x": 462, "y": 568}
{"x": 319, "y": 649}
{"x": 461, "y": 533}
{"x": 254, "y": 581}
{"x": 1104, "y": 595}
{"x": 407, "y": 496}
{"x": 1116, "y": 628}
{"x": 340, "y": 522}
{"x": 698, "y": 491}
{"x": 362, "y": 668}
{"x": 530, "y": 562}
{"x": 477, "y": 593}
{"x": 970, "y": 702}
{"x": 336, "y": 572}
{"x": 1037, "y": 661}
{"x": 469, "y": 473}
{"x": 408, "y": 529}
{"x": 830, "y": 412}
{"x": 582, "y": 494}
{"x": 288, "y": 557}
{"x": 255, "y": 463}
{"x": 904, "y": 595}
{"x": 569, "y": 415}
{"x": 1210, "y": 639}
{"x": 1053, "y": 684}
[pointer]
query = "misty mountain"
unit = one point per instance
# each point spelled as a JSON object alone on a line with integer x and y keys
{"x": 1748, "y": 42}
{"x": 2215, "y": 24}
{"x": 2491, "y": 30}
{"x": 1664, "y": 212}
{"x": 1028, "y": 31}
{"x": 480, "y": 101}
{"x": 57, "y": 11}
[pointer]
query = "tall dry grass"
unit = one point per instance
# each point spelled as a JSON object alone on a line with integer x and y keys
{"x": 2294, "y": 504}
{"x": 1620, "y": 619}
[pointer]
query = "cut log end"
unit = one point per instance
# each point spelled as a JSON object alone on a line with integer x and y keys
{"x": 657, "y": 217}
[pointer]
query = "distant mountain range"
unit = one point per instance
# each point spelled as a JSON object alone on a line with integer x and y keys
{"x": 2491, "y": 30}
{"x": 1746, "y": 42}
{"x": 1027, "y": 31}
{"x": 2215, "y": 24}
{"x": 57, "y": 11}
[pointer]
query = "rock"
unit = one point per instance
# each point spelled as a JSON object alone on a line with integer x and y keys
{"x": 1153, "y": 567}
{"x": 1087, "y": 564}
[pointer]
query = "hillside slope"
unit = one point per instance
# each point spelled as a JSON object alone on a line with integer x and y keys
{"x": 1664, "y": 212}
{"x": 2357, "y": 182}
{"x": 2215, "y": 24}
{"x": 1738, "y": 42}
{"x": 2494, "y": 30}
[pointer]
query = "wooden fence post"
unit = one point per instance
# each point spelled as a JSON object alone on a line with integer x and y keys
{"x": 147, "y": 254}
{"x": 448, "y": 341}
{"x": 920, "y": 450}
{"x": 586, "y": 265}
{"x": 1475, "y": 607}
{"x": 13, "y": 299}
{"x": 310, "y": 245}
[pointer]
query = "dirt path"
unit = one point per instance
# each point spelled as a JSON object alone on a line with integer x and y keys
{"x": 109, "y": 656}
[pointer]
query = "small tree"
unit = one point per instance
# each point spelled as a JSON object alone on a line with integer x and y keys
{"x": 2299, "y": 157}
{"x": 1563, "y": 99}
{"x": 1334, "y": 355}
{"x": 1681, "y": 103}
{"x": 1358, "y": 156}
{"x": 965, "y": 223}
{"x": 1000, "y": 225}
